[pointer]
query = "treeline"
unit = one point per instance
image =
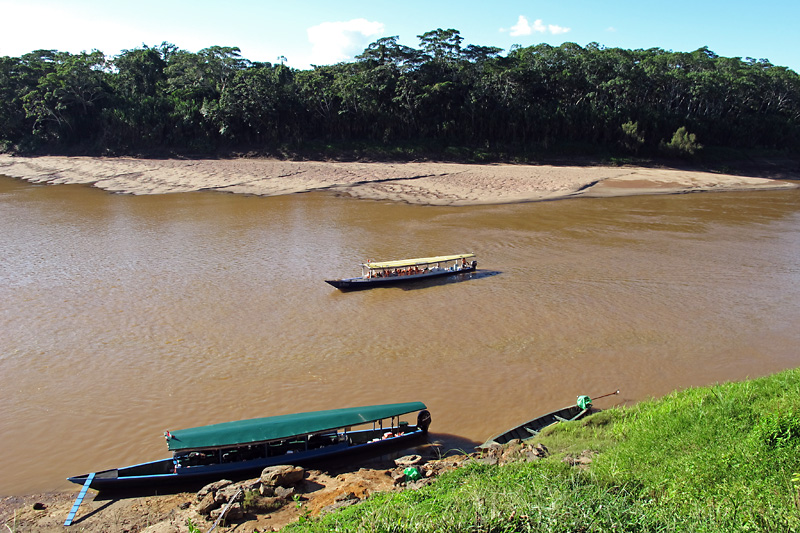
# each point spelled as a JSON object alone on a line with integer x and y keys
{"x": 440, "y": 95}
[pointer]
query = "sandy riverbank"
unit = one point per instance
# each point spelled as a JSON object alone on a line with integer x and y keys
{"x": 415, "y": 183}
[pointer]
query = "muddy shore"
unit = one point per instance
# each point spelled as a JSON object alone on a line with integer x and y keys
{"x": 319, "y": 492}
{"x": 427, "y": 183}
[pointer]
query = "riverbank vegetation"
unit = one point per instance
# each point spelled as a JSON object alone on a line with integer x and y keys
{"x": 442, "y": 100}
{"x": 713, "y": 459}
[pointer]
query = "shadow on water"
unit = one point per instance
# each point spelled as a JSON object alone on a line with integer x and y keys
{"x": 447, "y": 280}
{"x": 446, "y": 444}
{"x": 436, "y": 446}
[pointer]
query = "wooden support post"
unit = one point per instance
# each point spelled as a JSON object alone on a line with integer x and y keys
{"x": 225, "y": 510}
{"x": 79, "y": 499}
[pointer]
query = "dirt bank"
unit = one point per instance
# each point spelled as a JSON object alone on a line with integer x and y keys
{"x": 319, "y": 492}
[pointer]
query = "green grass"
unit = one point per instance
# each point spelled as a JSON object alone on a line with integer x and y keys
{"x": 710, "y": 459}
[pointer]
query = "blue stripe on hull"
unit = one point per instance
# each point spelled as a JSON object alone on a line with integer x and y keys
{"x": 368, "y": 283}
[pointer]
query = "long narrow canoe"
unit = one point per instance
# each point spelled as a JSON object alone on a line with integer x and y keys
{"x": 531, "y": 428}
{"x": 383, "y": 273}
{"x": 237, "y": 450}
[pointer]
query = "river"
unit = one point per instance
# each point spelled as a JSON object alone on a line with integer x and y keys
{"x": 125, "y": 316}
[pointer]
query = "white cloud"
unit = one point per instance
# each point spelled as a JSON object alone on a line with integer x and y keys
{"x": 524, "y": 27}
{"x": 39, "y": 25}
{"x": 333, "y": 42}
{"x": 557, "y": 30}
{"x": 35, "y": 27}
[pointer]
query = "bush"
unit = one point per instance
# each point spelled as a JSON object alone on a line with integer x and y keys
{"x": 632, "y": 138}
{"x": 683, "y": 144}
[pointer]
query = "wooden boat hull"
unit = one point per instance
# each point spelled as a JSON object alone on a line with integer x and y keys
{"x": 351, "y": 284}
{"x": 162, "y": 475}
{"x": 531, "y": 428}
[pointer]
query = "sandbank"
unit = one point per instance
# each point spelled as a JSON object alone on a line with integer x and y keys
{"x": 422, "y": 183}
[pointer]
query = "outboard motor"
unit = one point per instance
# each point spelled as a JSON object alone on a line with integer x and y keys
{"x": 424, "y": 420}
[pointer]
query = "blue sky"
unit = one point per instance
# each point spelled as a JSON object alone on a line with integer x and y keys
{"x": 325, "y": 32}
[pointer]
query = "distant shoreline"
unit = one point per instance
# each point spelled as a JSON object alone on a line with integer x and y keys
{"x": 420, "y": 183}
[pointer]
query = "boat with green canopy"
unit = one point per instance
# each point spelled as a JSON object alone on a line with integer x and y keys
{"x": 382, "y": 273}
{"x": 243, "y": 448}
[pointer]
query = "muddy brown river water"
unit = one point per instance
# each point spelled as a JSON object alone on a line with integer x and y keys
{"x": 124, "y": 316}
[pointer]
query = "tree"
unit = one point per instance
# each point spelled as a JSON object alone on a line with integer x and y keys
{"x": 386, "y": 50}
{"x": 140, "y": 116}
{"x": 441, "y": 45}
{"x": 65, "y": 104}
{"x": 481, "y": 54}
{"x": 12, "y": 115}
{"x": 259, "y": 105}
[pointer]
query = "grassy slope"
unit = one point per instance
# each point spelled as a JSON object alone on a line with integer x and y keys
{"x": 716, "y": 458}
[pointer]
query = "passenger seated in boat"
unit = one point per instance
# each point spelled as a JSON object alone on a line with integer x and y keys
{"x": 319, "y": 441}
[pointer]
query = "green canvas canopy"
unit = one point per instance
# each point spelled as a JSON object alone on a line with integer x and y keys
{"x": 283, "y": 426}
{"x": 419, "y": 261}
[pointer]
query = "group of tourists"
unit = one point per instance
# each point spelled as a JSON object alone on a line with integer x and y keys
{"x": 414, "y": 270}
{"x": 390, "y": 273}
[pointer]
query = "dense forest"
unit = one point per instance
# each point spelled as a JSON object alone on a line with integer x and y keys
{"x": 475, "y": 102}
